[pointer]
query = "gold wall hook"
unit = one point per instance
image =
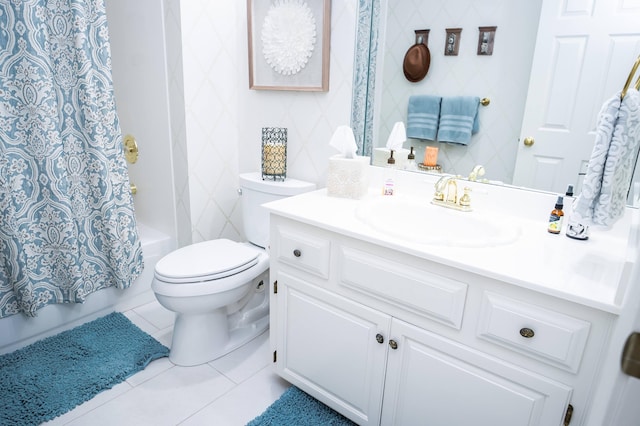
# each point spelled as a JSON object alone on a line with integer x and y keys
{"x": 130, "y": 149}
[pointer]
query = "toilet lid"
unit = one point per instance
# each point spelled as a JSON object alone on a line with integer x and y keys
{"x": 205, "y": 261}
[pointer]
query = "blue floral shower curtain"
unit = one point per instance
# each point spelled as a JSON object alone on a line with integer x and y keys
{"x": 67, "y": 225}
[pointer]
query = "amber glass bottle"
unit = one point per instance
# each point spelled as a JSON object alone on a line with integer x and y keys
{"x": 555, "y": 218}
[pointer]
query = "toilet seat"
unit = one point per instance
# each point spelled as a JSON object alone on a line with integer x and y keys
{"x": 206, "y": 261}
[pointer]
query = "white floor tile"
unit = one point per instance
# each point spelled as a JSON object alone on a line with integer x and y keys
{"x": 156, "y": 314}
{"x": 164, "y": 336}
{"x": 98, "y": 400}
{"x": 245, "y": 361}
{"x": 140, "y": 322}
{"x": 166, "y": 399}
{"x": 154, "y": 368}
{"x": 242, "y": 404}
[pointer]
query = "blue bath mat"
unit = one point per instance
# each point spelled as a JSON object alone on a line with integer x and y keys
{"x": 295, "y": 407}
{"x": 52, "y": 376}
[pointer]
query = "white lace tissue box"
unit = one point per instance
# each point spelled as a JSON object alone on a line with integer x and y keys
{"x": 348, "y": 177}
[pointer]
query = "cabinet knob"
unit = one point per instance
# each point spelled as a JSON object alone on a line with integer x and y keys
{"x": 393, "y": 344}
{"x": 297, "y": 253}
{"x": 529, "y": 141}
{"x": 527, "y": 333}
{"x": 379, "y": 338}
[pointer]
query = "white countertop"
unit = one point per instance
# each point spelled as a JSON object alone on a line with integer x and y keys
{"x": 592, "y": 272}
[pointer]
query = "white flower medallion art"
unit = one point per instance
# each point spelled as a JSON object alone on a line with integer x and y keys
{"x": 288, "y": 36}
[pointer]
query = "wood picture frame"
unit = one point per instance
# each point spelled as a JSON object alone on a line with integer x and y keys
{"x": 300, "y": 63}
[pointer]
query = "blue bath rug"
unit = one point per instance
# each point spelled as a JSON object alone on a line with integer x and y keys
{"x": 295, "y": 407}
{"x": 52, "y": 376}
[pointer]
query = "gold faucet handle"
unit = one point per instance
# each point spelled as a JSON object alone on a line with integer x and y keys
{"x": 465, "y": 200}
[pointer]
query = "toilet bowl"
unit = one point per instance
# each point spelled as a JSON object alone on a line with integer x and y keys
{"x": 218, "y": 288}
{"x": 218, "y": 291}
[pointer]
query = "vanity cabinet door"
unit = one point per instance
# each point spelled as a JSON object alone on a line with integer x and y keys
{"x": 332, "y": 348}
{"x": 438, "y": 382}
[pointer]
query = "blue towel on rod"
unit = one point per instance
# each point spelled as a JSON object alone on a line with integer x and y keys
{"x": 422, "y": 117}
{"x": 458, "y": 119}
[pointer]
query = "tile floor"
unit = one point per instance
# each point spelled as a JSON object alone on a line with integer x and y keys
{"x": 229, "y": 391}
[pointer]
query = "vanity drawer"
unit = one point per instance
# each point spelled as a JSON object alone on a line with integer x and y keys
{"x": 304, "y": 250}
{"x": 552, "y": 337}
{"x": 410, "y": 288}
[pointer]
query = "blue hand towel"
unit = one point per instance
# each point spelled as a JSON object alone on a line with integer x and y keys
{"x": 458, "y": 119}
{"x": 422, "y": 117}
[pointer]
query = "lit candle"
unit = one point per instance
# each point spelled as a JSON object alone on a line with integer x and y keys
{"x": 430, "y": 156}
{"x": 274, "y": 157}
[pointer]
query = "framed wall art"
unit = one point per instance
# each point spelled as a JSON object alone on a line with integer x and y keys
{"x": 289, "y": 44}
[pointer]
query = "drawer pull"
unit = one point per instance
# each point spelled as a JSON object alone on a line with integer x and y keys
{"x": 297, "y": 253}
{"x": 393, "y": 344}
{"x": 527, "y": 333}
{"x": 379, "y": 338}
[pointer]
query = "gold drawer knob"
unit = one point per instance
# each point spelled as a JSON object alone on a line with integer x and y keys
{"x": 527, "y": 333}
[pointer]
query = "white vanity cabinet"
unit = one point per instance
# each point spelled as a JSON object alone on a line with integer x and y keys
{"x": 389, "y": 338}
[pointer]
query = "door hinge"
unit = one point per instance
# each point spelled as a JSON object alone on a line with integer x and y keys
{"x": 568, "y": 414}
{"x": 275, "y": 356}
{"x": 275, "y": 287}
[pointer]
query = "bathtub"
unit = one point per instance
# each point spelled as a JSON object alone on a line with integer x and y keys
{"x": 18, "y": 330}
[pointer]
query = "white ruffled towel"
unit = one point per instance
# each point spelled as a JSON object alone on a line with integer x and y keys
{"x": 615, "y": 152}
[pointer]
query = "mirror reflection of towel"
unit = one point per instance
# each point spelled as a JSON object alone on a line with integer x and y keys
{"x": 458, "y": 119}
{"x": 422, "y": 117}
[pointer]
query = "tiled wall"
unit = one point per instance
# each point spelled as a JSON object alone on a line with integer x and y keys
{"x": 223, "y": 118}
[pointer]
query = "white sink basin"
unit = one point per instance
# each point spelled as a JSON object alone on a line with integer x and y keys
{"x": 419, "y": 221}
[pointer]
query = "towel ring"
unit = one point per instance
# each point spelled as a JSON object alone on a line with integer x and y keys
{"x": 630, "y": 78}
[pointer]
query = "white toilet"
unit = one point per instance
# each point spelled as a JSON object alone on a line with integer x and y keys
{"x": 218, "y": 288}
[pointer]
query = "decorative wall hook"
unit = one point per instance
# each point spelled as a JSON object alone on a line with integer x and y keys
{"x": 452, "y": 41}
{"x": 485, "y": 40}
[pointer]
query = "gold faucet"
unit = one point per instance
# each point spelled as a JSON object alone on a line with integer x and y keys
{"x": 451, "y": 200}
{"x": 476, "y": 173}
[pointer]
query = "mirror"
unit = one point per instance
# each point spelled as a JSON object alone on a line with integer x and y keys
{"x": 386, "y": 31}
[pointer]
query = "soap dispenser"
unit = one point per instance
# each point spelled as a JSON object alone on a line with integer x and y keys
{"x": 388, "y": 184}
{"x": 391, "y": 161}
{"x": 411, "y": 161}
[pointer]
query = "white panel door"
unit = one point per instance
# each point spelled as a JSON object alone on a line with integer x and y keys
{"x": 437, "y": 382}
{"x": 584, "y": 52}
{"x": 328, "y": 346}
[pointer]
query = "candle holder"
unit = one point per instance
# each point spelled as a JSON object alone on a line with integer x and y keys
{"x": 274, "y": 153}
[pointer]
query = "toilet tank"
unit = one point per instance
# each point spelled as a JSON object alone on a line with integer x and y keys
{"x": 256, "y": 192}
